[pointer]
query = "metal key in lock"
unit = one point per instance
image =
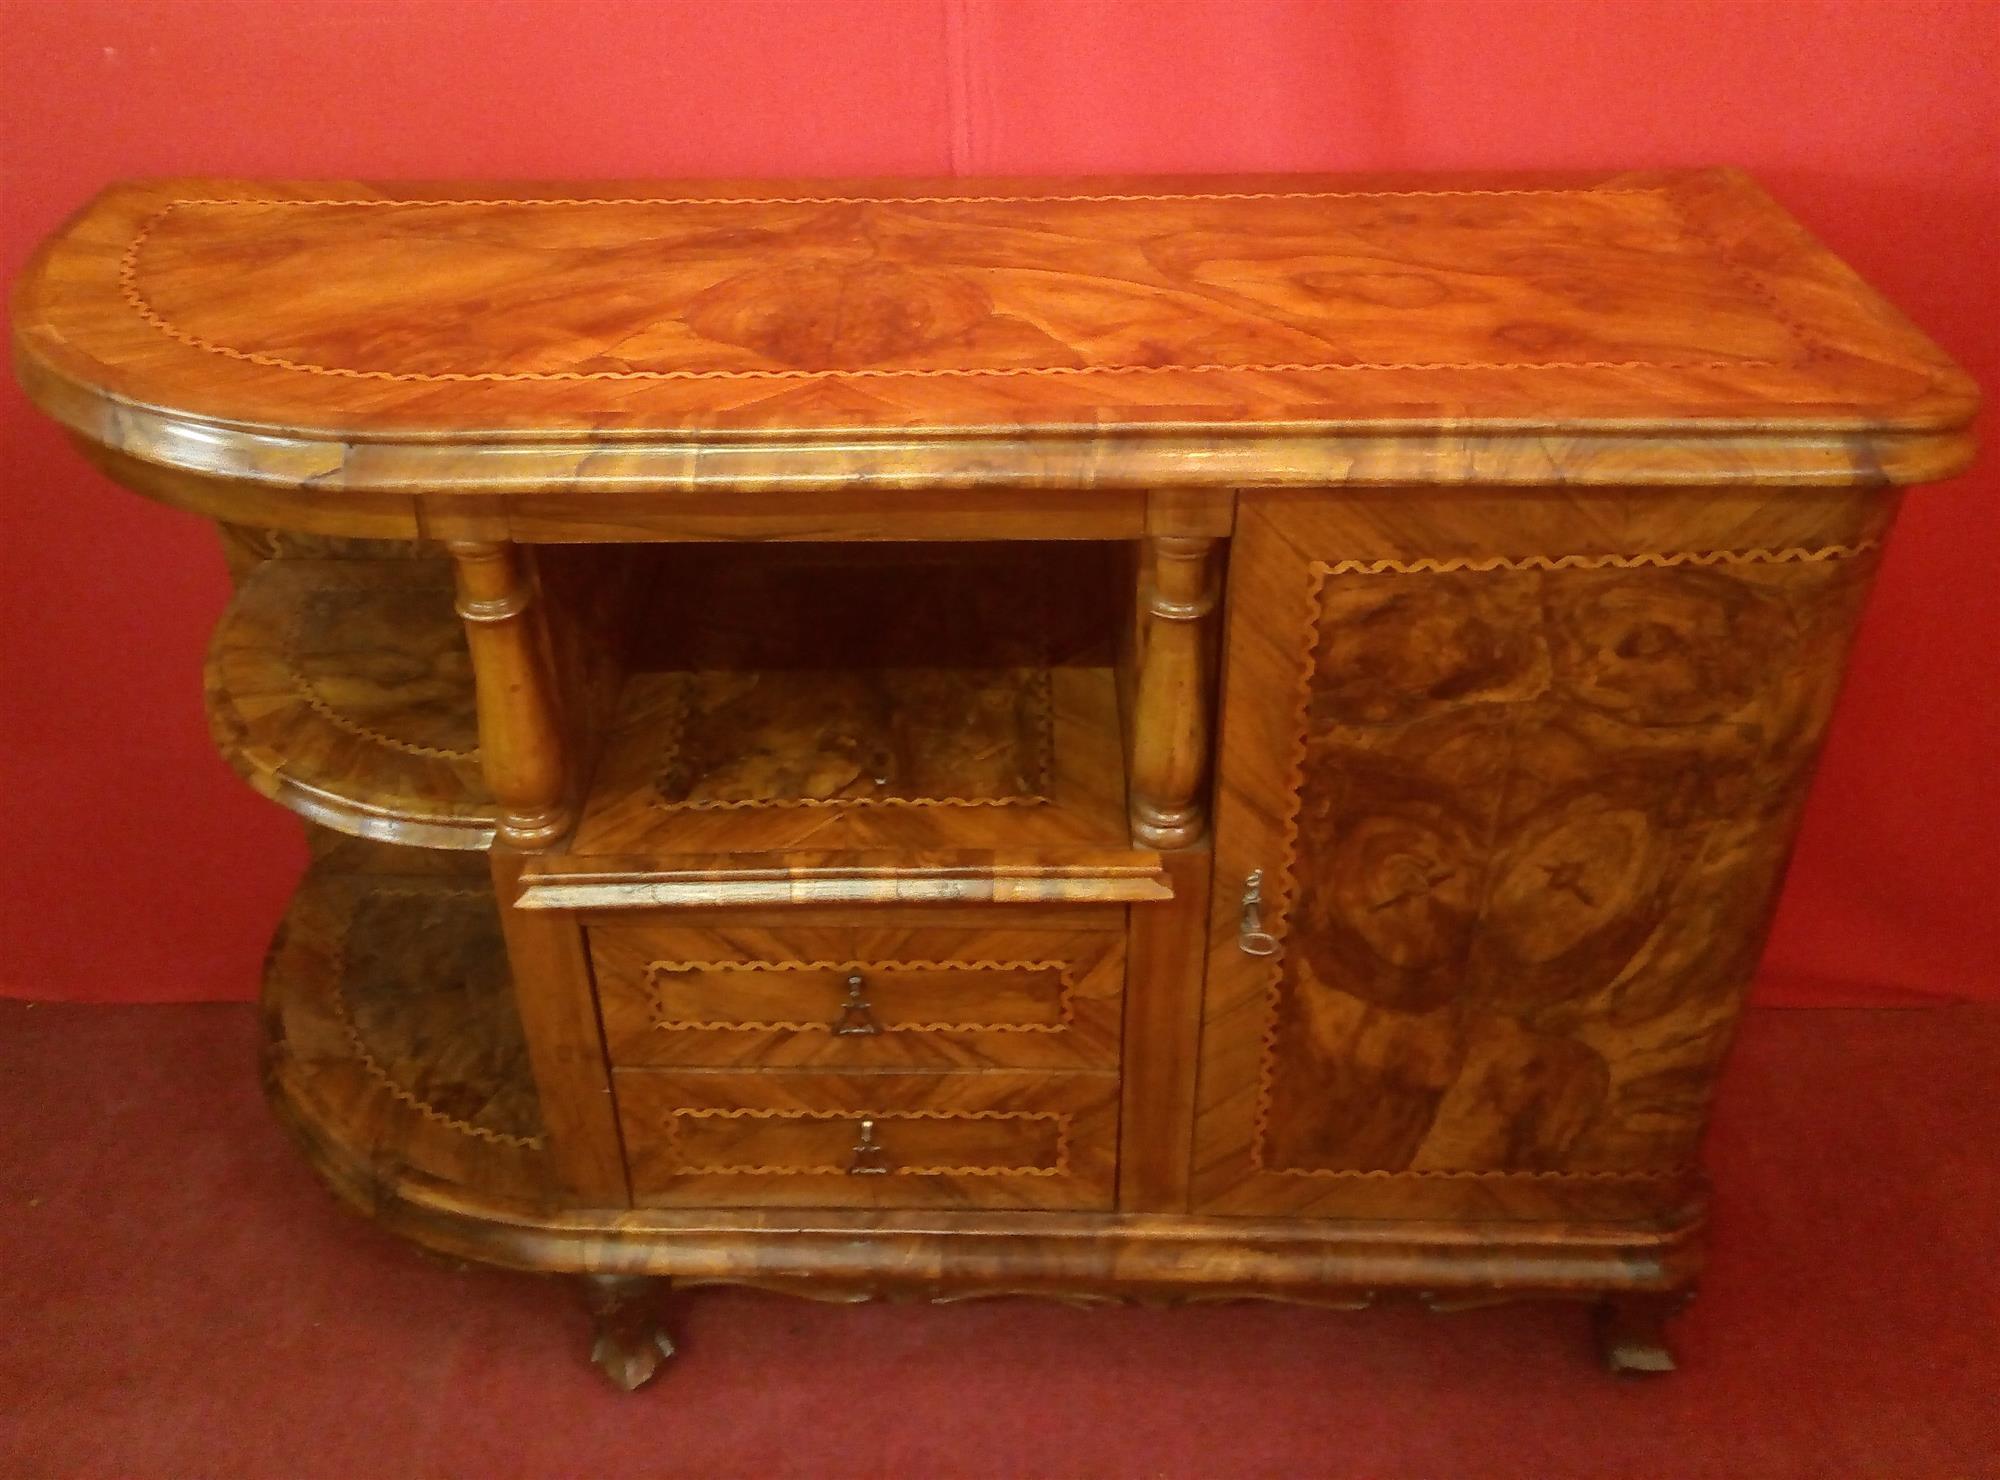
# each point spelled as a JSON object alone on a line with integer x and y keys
{"x": 1251, "y": 936}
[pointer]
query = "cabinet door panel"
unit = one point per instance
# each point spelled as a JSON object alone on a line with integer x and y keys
{"x": 1521, "y": 815}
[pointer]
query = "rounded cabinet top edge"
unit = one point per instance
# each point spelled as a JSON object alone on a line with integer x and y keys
{"x": 144, "y": 358}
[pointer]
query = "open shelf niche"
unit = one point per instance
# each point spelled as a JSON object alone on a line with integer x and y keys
{"x": 821, "y": 711}
{"x": 953, "y": 709}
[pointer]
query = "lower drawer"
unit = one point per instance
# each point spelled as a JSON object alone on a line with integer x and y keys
{"x": 887, "y": 1140}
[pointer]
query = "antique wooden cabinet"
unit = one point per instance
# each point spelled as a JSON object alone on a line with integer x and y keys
{"x": 1163, "y": 739}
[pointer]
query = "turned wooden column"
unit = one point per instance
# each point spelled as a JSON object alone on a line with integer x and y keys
{"x": 520, "y": 730}
{"x": 523, "y": 756}
{"x": 1170, "y": 721}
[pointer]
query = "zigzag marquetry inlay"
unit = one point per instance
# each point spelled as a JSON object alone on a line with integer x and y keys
{"x": 674, "y": 728}
{"x": 129, "y": 275}
{"x": 657, "y": 986}
{"x": 682, "y": 1168}
{"x": 1284, "y": 880}
{"x": 764, "y": 803}
{"x": 1428, "y": 566}
{"x": 294, "y": 668}
{"x": 379, "y": 1073}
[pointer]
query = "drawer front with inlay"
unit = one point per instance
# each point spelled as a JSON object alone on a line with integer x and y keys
{"x": 885, "y": 996}
{"x": 996, "y": 1139}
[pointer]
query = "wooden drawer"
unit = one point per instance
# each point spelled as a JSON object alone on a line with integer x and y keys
{"x": 997, "y": 1139}
{"x": 881, "y": 995}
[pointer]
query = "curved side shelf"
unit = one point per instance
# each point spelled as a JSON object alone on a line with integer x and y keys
{"x": 246, "y": 546}
{"x": 342, "y": 689}
{"x": 392, "y": 1043}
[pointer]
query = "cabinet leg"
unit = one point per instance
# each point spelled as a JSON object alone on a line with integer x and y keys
{"x": 1632, "y": 1331}
{"x": 629, "y": 1342}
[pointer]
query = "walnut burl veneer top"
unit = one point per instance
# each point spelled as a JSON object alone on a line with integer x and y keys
{"x": 1050, "y": 333}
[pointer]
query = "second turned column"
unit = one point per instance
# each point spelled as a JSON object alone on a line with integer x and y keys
{"x": 1171, "y": 709}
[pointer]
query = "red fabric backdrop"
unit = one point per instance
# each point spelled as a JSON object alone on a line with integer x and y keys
{"x": 135, "y": 866}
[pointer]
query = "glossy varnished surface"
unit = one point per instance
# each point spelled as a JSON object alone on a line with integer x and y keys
{"x": 804, "y": 334}
{"x": 917, "y": 989}
{"x": 417, "y": 1116}
{"x": 341, "y": 687}
{"x": 1521, "y": 820}
{"x": 914, "y": 698}
{"x": 390, "y": 1026}
{"x": 995, "y": 1138}
{"x": 770, "y": 762}
{"x": 858, "y": 918}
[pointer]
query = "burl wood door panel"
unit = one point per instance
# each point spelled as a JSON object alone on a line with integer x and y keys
{"x": 1521, "y": 773}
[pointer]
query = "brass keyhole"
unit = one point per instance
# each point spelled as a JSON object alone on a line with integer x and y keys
{"x": 868, "y": 1157}
{"x": 856, "y": 1016}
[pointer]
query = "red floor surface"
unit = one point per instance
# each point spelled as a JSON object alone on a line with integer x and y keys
{"x": 177, "y": 1297}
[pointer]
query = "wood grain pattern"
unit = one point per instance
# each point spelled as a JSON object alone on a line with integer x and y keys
{"x": 246, "y": 546}
{"x": 845, "y": 756}
{"x": 343, "y": 689}
{"x": 383, "y": 1172}
{"x": 884, "y": 1139}
{"x": 702, "y": 334}
{"x": 591, "y": 597}
{"x": 489, "y": 1198}
{"x": 389, "y": 1013}
{"x": 879, "y": 507}
{"x": 558, "y": 1006}
{"x": 881, "y": 876}
{"x": 916, "y": 699}
{"x": 778, "y": 762}
{"x": 342, "y": 853}
{"x": 1163, "y": 1003}
{"x": 766, "y": 992}
{"x": 524, "y": 754}
{"x": 854, "y": 737}
{"x": 1170, "y": 703}
{"x": 951, "y": 290}
{"x": 1522, "y": 855}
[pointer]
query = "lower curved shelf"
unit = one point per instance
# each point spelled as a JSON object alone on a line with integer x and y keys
{"x": 391, "y": 1043}
{"x": 342, "y": 689}
{"x": 393, "y": 1054}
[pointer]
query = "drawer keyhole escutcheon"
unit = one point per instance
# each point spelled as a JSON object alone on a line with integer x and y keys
{"x": 866, "y": 1160}
{"x": 1251, "y": 935}
{"x": 856, "y": 1016}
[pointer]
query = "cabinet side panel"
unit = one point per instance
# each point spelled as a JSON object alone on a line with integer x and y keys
{"x": 1522, "y": 816}
{"x": 1162, "y": 1039}
{"x": 558, "y": 1007}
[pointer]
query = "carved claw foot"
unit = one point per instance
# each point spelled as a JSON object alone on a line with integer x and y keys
{"x": 630, "y": 1343}
{"x": 1632, "y": 1332}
